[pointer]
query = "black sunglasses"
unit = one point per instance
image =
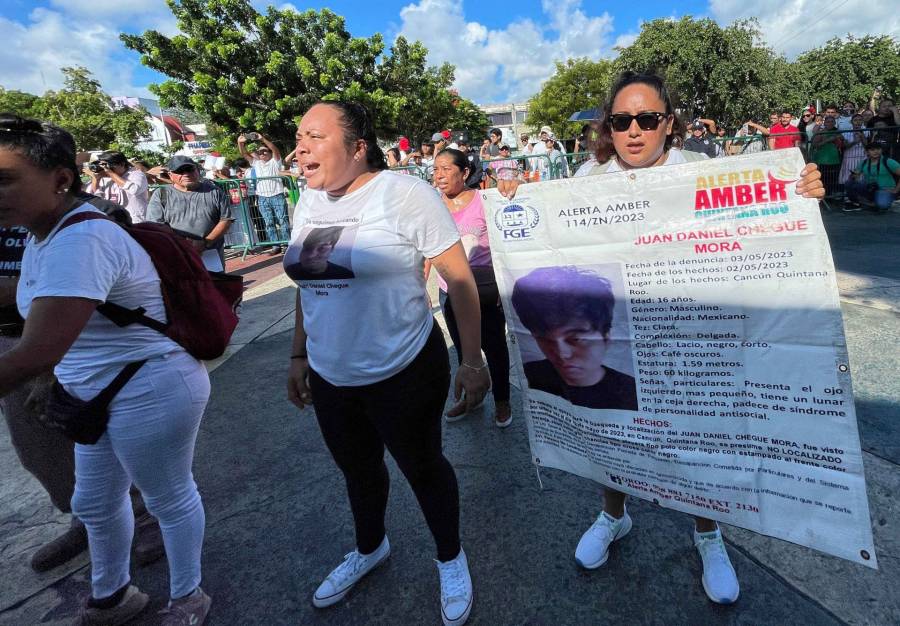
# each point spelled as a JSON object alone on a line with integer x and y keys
{"x": 620, "y": 122}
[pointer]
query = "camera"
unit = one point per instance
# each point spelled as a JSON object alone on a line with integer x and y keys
{"x": 97, "y": 167}
{"x": 253, "y": 136}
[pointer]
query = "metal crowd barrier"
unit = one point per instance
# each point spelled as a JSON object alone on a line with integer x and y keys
{"x": 835, "y": 175}
{"x": 414, "y": 170}
{"x": 741, "y": 144}
{"x": 249, "y": 229}
{"x": 532, "y": 168}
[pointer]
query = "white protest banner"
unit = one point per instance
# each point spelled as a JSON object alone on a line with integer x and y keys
{"x": 680, "y": 339}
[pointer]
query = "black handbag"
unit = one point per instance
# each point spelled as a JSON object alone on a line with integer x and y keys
{"x": 84, "y": 421}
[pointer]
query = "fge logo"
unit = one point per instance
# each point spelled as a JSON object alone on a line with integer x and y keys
{"x": 516, "y": 221}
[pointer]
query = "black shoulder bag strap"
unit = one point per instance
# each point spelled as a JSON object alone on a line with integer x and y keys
{"x": 109, "y": 392}
{"x": 122, "y": 317}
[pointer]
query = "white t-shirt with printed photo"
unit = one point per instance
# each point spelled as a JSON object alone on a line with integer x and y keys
{"x": 361, "y": 275}
{"x": 99, "y": 261}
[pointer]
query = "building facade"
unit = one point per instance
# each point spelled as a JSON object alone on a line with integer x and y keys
{"x": 510, "y": 119}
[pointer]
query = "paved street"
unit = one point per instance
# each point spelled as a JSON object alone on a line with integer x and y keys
{"x": 278, "y": 519}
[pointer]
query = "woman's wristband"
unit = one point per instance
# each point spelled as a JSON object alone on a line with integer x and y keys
{"x": 299, "y": 356}
{"x": 473, "y": 368}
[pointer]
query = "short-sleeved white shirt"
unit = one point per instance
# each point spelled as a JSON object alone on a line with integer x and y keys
{"x": 137, "y": 194}
{"x": 365, "y": 310}
{"x": 99, "y": 261}
{"x": 268, "y": 170}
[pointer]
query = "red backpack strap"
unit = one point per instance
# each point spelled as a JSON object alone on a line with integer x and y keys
{"x": 118, "y": 315}
{"x": 84, "y": 216}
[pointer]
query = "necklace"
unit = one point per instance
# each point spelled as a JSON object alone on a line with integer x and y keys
{"x": 461, "y": 199}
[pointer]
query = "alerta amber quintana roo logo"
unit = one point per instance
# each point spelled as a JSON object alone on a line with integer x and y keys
{"x": 743, "y": 193}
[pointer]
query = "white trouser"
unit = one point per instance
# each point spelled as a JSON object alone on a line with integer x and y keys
{"x": 149, "y": 441}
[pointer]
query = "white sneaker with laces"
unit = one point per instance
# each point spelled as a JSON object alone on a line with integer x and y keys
{"x": 456, "y": 590}
{"x": 719, "y": 578}
{"x": 593, "y": 548}
{"x": 348, "y": 573}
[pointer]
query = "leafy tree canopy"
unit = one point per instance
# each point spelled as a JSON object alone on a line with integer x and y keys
{"x": 578, "y": 84}
{"x": 427, "y": 103}
{"x": 84, "y": 110}
{"x": 725, "y": 74}
{"x": 250, "y": 71}
{"x": 851, "y": 69}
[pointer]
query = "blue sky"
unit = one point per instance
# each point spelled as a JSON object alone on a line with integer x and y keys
{"x": 503, "y": 51}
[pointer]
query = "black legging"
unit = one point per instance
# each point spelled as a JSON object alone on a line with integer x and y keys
{"x": 493, "y": 336}
{"x": 404, "y": 414}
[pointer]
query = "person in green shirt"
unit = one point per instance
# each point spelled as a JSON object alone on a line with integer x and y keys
{"x": 826, "y": 153}
{"x": 876, "y": 180}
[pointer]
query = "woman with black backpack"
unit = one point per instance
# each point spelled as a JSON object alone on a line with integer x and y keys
{"x": 131, "y": 397}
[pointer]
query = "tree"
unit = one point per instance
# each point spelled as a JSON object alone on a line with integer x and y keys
{"x": 84, "y": 110}
{"x": 18, "y": 102}
{"x": 578, "y": 84}
{"x": 247, "y": 71}
{"x": 851, "y": 69}
{"x": 467, "y": 117}
{"x": 721, "y": 73}
{"x": 426, "y": 102}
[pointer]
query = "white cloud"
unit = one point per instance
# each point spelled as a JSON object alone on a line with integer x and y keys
{"x": 79, "y": 32}
{"x": 794, "y": 26}
{"x": 623, "y": 41}
{"x": 507, "y": 64}
{"x": 33, "y": 54}
{"x": 108, "y": 9}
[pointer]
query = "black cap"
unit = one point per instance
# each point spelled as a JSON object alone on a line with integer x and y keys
{"x": 113, "y": 158}
{"x": 179, "y": 161}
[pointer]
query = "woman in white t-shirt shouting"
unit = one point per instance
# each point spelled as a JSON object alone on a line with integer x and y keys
{"x": 367, "y": 354}
{"x": 153, "y": 419}
{"x": 639, "y": 129}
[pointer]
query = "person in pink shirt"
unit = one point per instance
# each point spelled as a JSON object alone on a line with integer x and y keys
{"x": 507, "y": 168}
{"x": 451, "y": 171}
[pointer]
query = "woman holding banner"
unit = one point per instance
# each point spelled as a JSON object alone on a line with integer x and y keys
{"x": 639, "y": 129}
{"x": 367, "y": 354}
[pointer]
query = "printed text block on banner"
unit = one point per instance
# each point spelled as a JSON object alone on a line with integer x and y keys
{"x": 680, "y": 339}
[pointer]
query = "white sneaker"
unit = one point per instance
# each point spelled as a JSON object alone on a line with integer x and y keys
{"x": 719, "y": 579}
{"x": 593, "y": 549}
{"x": 456, "y": 590}
{"x": 348, "y": 573}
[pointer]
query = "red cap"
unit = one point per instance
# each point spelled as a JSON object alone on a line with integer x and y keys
{"x": 445, "y": 134}
{"x": 403, "y": 144}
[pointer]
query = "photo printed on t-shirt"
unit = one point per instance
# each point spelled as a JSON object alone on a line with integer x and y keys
{"x": 322, "y": 253}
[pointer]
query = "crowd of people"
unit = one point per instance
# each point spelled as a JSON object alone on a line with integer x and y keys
{"x": 373, "y": 232}
{"x": 855, "y": 149}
